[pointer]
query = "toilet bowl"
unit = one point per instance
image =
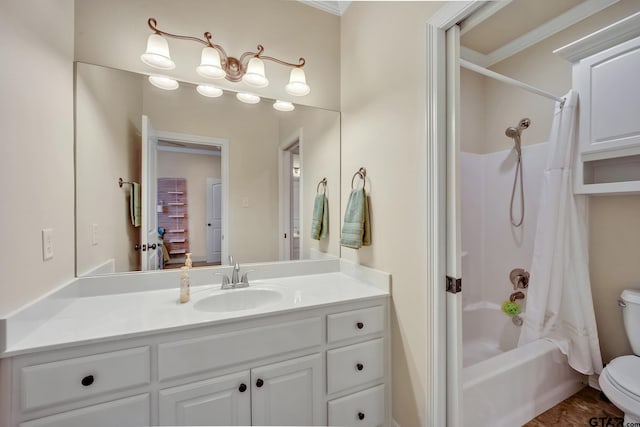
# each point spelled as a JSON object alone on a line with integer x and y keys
{"x": 620, "y": 379}
{"x": 620, "y": 382}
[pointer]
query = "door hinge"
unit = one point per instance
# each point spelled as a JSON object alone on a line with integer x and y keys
{"x": 454, "y": 285}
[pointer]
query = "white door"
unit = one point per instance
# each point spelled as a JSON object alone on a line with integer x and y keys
{"x": 149, "y": 195}
{"x": 454, "y": 268}
{"x": 285, "y": 202}
{"x": 221, "y": 401}
{"x": 288, "y": 393}
{"x": 214, "y": 220}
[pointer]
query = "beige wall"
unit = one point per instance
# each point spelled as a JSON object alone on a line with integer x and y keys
{"x": 320, "y": 159}
{"x": 614, "y": 222}
{"x": 109, "y": 110}
{"x": 36, "y": 118}
{"x": 114, "y": 33}
{"x": 383, "y": 114}
{"x": 195, "y": 168}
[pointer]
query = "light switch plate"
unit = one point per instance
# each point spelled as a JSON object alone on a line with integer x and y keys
{"x": 245, "y": 202}
{"x": 94, "y": 234}
{"x": 47, "y": 243}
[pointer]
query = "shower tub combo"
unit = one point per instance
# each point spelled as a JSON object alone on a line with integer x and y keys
{"x": 505, "y": 385}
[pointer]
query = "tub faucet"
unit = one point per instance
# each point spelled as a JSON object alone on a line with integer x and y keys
{"x": 516, "y": 296}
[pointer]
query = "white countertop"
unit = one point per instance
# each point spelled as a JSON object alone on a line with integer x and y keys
{"x": 89, "y": 319}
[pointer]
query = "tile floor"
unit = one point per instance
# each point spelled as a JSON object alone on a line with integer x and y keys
{"x": 584, "y": 408}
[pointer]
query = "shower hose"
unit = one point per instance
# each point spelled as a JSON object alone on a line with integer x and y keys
{"x": 513, "y": 193}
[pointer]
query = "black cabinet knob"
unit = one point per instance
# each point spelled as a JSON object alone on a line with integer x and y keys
{"x": 360, "y": 325}
{"x": 361, "y": 416}
{"x": 359, "y": 366}
{"x": 208, "y": 224}
{"x": 87, "y": 381}
{"x": 259, "y": 383}
{"x": 242, "y": 388}
{"x": 152, "y": 246}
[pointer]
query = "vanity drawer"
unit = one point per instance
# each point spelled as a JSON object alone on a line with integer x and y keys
{"x": 355, "y": 323}
{"x": 365, "y": 408}
{"x": 354, "y": 365}
{"x": 73, "y": 379}
{"x": 187, "y": 357}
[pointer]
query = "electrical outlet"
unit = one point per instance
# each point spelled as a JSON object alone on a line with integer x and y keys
{"x": 94, "y": 234}
{"x": 245, "y": 202}
{"x": 47, "y": 243}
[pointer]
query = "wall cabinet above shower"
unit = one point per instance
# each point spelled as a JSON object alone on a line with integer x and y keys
{"x": 605, "y": 74}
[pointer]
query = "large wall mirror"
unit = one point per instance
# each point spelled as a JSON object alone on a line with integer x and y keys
{"x": 160, "y": 174}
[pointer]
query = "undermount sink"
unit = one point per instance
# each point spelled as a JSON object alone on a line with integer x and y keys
{"x": 238, "y": 299}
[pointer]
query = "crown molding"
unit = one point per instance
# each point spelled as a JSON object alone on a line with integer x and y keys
{"x": 336, "y": 7}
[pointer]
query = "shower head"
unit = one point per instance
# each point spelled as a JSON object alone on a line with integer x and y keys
{"x": 512, "y": 132}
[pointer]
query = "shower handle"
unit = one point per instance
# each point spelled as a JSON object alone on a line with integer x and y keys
{"x": 519, "y": 277}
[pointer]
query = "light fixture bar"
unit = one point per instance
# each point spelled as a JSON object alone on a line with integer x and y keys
{"x": 235, "y": 68}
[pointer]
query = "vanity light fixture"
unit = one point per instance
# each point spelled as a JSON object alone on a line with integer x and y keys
{"x": 216, "y": 64}
{"x": 283, "y": 106}
{"x": 164, "y": 82}
{"x": 209, "y": 91}
{"x": 247, "y": 98}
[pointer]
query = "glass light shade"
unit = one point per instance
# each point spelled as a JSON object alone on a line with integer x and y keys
{"x": 248, "y": 98}
{"x": 255, "y": 74}
{"x": 157, "y": 53}
{"x": 164, "y": 82}
{"x": 283, "y": 106}
{"x": 210, "y": 66}
{"x": 297, "y": 83}
{"x": 209, "y": 91}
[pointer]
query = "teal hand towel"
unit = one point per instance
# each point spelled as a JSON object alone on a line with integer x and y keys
{"x": 135, "y": 209}
{"x": 320, "y": 220}
{"x": 356, "y": 230}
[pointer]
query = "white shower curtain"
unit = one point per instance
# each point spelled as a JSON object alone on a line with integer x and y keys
{"x": 559, "y": 303}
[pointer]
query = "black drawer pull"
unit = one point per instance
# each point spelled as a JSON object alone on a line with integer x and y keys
{"x": 359, "y": 366}
{"x": 259, "y": 383}
{"x": 242, "y": 388}
{"x": 361, "y": 416}
{"x": 87, "y": 381}
{"x": 360, "y": 325}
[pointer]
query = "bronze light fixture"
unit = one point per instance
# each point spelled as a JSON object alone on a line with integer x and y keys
{"x": 217, "y": 64}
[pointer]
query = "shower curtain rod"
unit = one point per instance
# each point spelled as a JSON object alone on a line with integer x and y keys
{"x": 478, "y": 69}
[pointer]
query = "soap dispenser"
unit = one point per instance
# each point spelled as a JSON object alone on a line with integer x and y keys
{"x": 184, "y": 285}
{"x": 188, "y": 262}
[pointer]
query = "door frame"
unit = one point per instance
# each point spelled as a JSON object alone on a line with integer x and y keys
{"x": 436, "y": 167}
{"x": 209, "y": 198}
{"x": 224, "y": 175}
{"x": 284, "y": 194}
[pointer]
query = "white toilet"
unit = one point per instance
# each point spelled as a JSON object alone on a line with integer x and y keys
{"x": 620, "y": 379}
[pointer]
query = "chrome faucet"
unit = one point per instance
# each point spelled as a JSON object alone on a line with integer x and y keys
{"x": 236, "y": 281}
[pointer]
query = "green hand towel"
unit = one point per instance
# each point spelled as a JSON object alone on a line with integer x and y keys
{"x": 356, "y": 230}
{"x": 135, "y": 209}
{"x": 320, "y": 221}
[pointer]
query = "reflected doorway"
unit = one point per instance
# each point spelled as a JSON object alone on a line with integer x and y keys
{"x": 290, "y": 196}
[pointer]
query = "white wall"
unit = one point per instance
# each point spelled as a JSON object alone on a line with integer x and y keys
{"x": 109, "y": 110}
{"x": 114, "y": 33}
{"x": 36, "y": 118}
{"x": 383, "y": 115}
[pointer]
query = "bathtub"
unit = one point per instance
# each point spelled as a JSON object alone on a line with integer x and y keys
{"x": 506, "y": 385}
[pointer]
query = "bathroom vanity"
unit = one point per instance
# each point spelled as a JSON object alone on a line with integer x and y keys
{"x": 315, "y": 353}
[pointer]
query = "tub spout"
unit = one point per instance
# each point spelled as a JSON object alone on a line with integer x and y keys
{"x": 515, "y": 296}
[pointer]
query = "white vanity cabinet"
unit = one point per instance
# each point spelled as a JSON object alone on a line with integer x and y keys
{"x": 327, "y": 365}
{"x": 285, "y": 393}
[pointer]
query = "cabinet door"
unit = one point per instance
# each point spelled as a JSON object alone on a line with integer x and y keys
{"x": 132, "y": 411}
{"x": 222, "y": 401}
{"x": 288, "y": 393}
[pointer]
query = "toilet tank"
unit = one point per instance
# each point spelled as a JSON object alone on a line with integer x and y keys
{"x": 631, "y": 317}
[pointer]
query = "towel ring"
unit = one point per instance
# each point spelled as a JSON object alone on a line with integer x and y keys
{"x": 322, "y": 182}
{"x": 362, "y": 173}
{"x": 121, "y": 182}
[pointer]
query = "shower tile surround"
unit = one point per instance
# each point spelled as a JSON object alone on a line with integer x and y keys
{"x": 97, "y": 315}
{"x": 491, "y": 247}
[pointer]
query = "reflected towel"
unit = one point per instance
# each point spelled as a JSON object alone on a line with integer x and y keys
{"x": 320, "y": 221}
{"x": 134, "y": 204}
{"x": 356, "y": 230}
